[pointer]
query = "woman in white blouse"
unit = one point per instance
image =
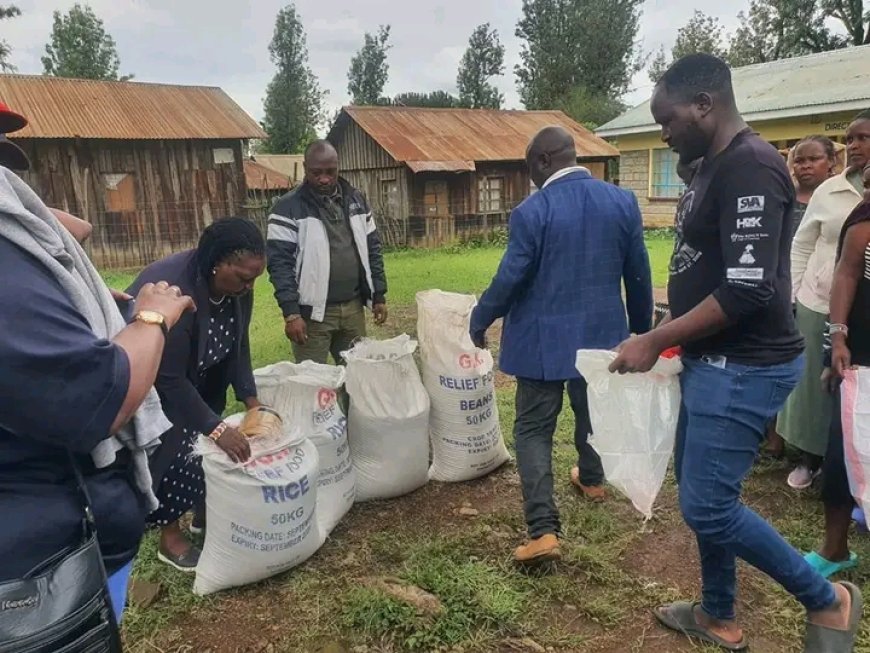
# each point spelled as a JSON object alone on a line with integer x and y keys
{"x": 805, "y": 421}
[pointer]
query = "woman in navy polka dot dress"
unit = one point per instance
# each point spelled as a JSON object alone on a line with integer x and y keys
{"x": 204, "y": 355}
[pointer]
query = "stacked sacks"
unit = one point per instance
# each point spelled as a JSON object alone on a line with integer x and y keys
{"x": 305, "y": 395}
{"x": 388, "y": 420}
{"x": 463, "y": 426}
{"x": 262, "y": 514}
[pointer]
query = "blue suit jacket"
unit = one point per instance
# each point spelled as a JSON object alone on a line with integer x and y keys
{"x": 559, "y": 283}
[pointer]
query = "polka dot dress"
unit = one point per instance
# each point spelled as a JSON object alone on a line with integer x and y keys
{"x": 183, "y": 486}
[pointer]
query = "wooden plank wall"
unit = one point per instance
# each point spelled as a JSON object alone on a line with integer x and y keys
{"x": 179, "y": 190}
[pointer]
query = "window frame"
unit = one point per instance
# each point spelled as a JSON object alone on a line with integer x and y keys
{"x": 485, "y": 194}
{"x": 671, "y": 178}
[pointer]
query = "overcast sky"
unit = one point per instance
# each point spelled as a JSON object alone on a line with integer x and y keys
{"x": 224, "y": 42}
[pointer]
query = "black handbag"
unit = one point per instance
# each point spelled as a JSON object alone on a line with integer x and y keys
{"x": 62, "y": 605}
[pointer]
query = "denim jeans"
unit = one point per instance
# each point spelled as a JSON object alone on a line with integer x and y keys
{"x": 723, "y": 416}
{"x": 538, "y": 404}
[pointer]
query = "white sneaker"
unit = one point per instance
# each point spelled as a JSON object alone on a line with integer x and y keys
{"x": 802, "y": 477}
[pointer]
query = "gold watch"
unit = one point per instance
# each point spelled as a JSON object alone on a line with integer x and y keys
{"x": 153, "y": 317}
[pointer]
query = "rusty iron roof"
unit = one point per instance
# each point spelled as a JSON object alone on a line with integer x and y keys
{"x": 77, "y": 108}
{"x": 453, "y": 139}
{"x": 260, "y": 177}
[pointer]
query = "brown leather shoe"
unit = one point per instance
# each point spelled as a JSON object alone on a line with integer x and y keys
{"x": 595, "y": 493}
{"x": 540, "y": 549}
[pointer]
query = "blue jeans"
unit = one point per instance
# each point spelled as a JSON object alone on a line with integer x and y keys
{"x": 723, "y": 416}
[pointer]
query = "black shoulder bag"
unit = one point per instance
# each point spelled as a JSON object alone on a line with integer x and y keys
{"x": 63, "y": 605}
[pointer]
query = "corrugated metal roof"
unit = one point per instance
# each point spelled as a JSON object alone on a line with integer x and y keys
{"x": 441, "y": 166}
{"x": 446, "y": 137}
{"x": 68, "y": 108}
{"x": 260, "y": 177}
{"x": 286, "y": 164}
{"x": 818, "y": 83}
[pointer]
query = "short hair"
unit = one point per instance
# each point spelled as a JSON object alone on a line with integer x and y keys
{"x": 824, "y": 141}
{"x": 225, "y": 239}
{"x": 697, "y": 73}
{"x": 318, "y": 146}
{"x": 864, "y": 115}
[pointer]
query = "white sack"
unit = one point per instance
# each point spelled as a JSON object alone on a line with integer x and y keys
{"x": 855, "y": 413}
{"x": 463, "y": 424}
{"x": 634, "y": 423}
{"x": 261, "y": 515}
{"x": 388, "y": 419}
{"x": 305, "y": 395}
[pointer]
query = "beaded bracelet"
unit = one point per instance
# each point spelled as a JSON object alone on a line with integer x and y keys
{"x": 218, "y": 431}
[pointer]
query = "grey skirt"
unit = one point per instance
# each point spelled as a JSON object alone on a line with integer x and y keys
{"x": 806, "y": 417}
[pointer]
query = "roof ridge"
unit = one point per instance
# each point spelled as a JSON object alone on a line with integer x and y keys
{"x": 81, "y": 80}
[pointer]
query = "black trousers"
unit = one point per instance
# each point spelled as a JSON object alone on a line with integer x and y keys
{"x": 538, "y": 404}
{"x": 835, "y": 481}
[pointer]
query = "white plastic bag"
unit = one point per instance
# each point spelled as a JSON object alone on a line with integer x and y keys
{"x": 388, "y": 419}
{"x": 261, "y": 515}
{"x": 306, "y": 395}
{"x": 463, "y": 424}
{"x": 634, "y": 422}
{"x": 855, "y": 413}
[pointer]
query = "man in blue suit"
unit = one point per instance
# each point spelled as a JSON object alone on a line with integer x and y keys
{"x": 558, "y": 288}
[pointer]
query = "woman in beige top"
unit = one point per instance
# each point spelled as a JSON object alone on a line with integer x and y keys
{"x": 805, "y": 421}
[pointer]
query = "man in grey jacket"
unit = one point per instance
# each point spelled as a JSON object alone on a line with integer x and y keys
{"x": 325, "y": 260}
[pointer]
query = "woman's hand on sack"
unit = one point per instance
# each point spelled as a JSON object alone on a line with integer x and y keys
{"x": 637, "y": 354}
{"x": 235, "y": 445}
{"x": 829, "y": 381}
{"x": 478, "y": 339}
{"x": 296, "y": 331}
{"x": 167, "y": 300}
{"x": 841, "y": 358}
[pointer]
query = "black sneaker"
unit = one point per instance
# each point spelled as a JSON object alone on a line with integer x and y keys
{"x": 185, "y": 562}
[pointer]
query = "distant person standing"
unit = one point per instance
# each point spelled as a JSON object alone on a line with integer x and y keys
{"x": 325, "y": 260}
{"x": 805, "y": 421}
{"x": 559, "y": 289}
{"x": 730, "y": 306}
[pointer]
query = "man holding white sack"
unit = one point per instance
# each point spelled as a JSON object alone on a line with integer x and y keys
{"x": 572, "y": 245}
{"x": 730, "y": 299}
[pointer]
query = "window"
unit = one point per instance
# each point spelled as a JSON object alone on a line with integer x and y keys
{"x": 120, "y": 192}
{"x": 489, "y": 194}
{"x": 390, "y": 198}
{"x": 664, "y": 181}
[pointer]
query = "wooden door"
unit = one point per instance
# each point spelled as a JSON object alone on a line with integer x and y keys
{"x": 436, "y": 199}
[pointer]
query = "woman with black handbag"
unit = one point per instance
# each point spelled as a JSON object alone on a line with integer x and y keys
{"x": 78, "y": 417}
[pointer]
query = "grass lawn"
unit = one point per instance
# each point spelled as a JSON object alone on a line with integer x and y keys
{"x": 615, "y": 568}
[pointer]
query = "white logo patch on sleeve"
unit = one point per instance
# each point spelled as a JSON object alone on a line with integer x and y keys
{"x": 745, "y": 274}
{"x": 750, "y": 204}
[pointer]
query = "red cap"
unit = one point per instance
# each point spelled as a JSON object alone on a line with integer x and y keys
{"x": 10, "y": 121}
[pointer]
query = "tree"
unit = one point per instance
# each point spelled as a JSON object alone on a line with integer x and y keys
{"x": 589, "y": 108}
{"x": 5, "y": 50}
{"x": 434, "y": 99}
{"x": 777, "y": 29}
{"x": 369, "y": 69}
{"x": 577, "y": 44}
{"x": 854, "y": 17}
{"x": 483, "y": 59}
{"x": 294, "y": 102}
{"x": 80, "y": 47}
{"x": 702, "y": 33}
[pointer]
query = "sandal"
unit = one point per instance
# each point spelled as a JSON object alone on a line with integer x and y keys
{"x": 827, "y": 567}
{"x": 680, "y": 616}
{"x": 185, "y": 562}
{"x": 827, "y": 640}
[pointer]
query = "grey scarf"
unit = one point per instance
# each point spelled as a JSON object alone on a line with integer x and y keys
{"x": 28, "y": 223}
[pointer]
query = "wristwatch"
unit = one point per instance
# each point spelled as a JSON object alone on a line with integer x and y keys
{"x": 153, "y": 317}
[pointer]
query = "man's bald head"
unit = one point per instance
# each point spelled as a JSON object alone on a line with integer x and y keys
{"x": 321, "y": 167}
{"x": 551, "y": 150}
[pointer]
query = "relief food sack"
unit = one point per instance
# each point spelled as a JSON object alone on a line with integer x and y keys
{"x": 261, "y": 515}
{"x": 306, "y": 395}
{"x": 634, "y": 423}
{"x": 855, "y": 415}
{"x": 388, "y": 419}
{"x": 463, "y": 423}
